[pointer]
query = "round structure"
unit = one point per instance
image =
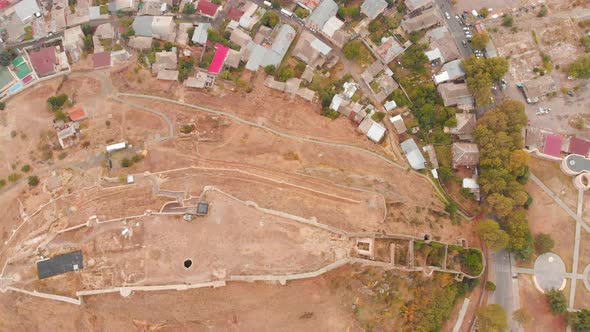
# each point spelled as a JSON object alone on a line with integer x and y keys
{"x": 549, "y": 272}
{"x": 582, "y": 181}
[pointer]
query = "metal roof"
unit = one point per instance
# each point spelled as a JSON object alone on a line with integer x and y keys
{"x": 372, "y": 8}
{"x": 142, "y": 25}
{"x": 26, "y": 8}
{"x": 325, "y": 10}
{"x": 201, "y": 33}
{"x": 413, "y": 153}
{"x": 321, "y": 46}
{"x": 60, "y": 264}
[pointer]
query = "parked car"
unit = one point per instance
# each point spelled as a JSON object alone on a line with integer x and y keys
{"x": 571, "y": 93}
{"x": 464, "y": 43}
{"x": 447, "y": 15}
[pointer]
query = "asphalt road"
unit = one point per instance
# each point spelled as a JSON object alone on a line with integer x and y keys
{"x": 501, "y": 274}
{"x": 455, "y": 28}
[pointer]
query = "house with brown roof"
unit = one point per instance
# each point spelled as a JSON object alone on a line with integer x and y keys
{"x": 44, "y": 60}
{"x": 398, "y": 123}
{"x": 440, "y": 38}
{"x": 101, "y": 60}
{"x": 389, "y": 49}
{"x": 465, "y": 128}
{"x": 165, "y": 61}
{"x": 425, "y": 20}
{"x": 465, "y": 154}
{"x": 456, "y": 95}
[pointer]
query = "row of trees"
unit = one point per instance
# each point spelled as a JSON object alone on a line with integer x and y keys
{"x": 504, "y": 172}
{"x": 579, "y": 321}
{"x": 481, "y": 75}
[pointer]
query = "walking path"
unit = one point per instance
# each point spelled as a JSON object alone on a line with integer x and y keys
{"x": 462, "y": 313}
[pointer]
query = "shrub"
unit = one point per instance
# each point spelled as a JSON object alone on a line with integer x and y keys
{"x": 25, "y": 168}
{"x": 62, "y": 155}
{"x": 56, "y": 102}
{"x": 13, "y": 177}
{"x": 33, "y": 180}
{"x": 107, "y": 123}
{"x": 378, "y": 116}
{"x": 557, "y": 301}
{"x": 490, "y": 286}
{"x": 270, "y": 70}
{"x": 2, "y": 183}
{"x": 126, "y": 162}
{"x": 187, "y": 129}
{"x": 543, "y": 243}
{"x": 2, "y": 105}
{"x": 137, "y": 158}
{"x": 189, "y": 9}
{"x": 508, "y": 21}
{"x": 104, "y": 10}
{"x": 543, "y": 11}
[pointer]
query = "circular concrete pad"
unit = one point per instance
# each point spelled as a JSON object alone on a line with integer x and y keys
{"x": 549, "y": 272}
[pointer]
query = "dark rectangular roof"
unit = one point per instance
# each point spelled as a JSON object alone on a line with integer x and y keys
{"x": 202, "y": 208}
{"x": 60, "y": 264}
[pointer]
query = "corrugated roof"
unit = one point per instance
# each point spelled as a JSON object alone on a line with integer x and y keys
{"x": 325, "y": 10}
{"x": 201, "y": 33}
{"x": 142, "y": 25}
{"x": 26, "y": 8}
{"x": 234, "y": 14}
{"x": 77, "y": 113}
{"x": 44, "y": 60}
{"x": 321, "y": 46}
{"x": 553, "y": 145}
{"x": 413, "y": 153}
{"x": 332, "y": 25}
{"x": 372, "y": 8}
{"x": 218, "y": 59}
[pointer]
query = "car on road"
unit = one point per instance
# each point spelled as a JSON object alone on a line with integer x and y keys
{"x": 464, "y": 43}
{"x": 571, "y": 93}
{"x": 447, "y": 15}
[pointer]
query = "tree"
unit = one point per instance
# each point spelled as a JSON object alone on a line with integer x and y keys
{"x": 25, "y": 168}
{"x": 189, "y": 8}
{"x": 581, "y": 67}
{"x": 500, "y": 204}
{"x": 585, "y": 40}
{"x": 352, "y": 49}
{"x": 521, "y": 240}
{"x": 490, "y": 286}
{"x": 126, "y": 162}
{"x": 285, "y": 73}
{"x": 481, "y": 74}
{"x": 557, "y": 301}
{"x": 522, "y": 316}
{"x": 508, "y": 21}
{"x": 270, "y": 70}
{"x": 580, "y": 321}
{"x": 7, "y": 56}
{"x": 56, "y": 102}
{"x": 415, "y": 59}
{"x": 87, "y": 29}
{"x": 13, "y": 177}
{"x": 301, "y": 12}
{"x": 185, "y": 67}
{"x": 493, "y": 236}
{"x": 492, "y": 318}
{"x": 543, "y": 11}
{"x": 480, "y": 41}
{"x": 33, "y": 180}
{"x": 270, "y": 19}
{"x": 484, "y": 11}
{"x": 543, "y": 243}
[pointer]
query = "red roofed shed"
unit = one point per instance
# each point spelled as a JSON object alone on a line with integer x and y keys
{"x": 44, "y": 60}
{"x": 77, "y": 113}
{"x": 218, "y": 59}
{"x": 234, "y": 14}
{"x": 207, "y": 8}
{"x": 553, "y": 145}
{"x": 579, "y": 146}
{"x": 4, "y": 4}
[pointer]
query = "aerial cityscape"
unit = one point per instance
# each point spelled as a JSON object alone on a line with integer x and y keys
{"x": 319, "y": 165}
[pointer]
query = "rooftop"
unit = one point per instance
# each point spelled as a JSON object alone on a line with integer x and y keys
{"x": 60, "y": 264}
{"x": 207, "y": 8}
{"x": 539, "y": 87}
{"x": 455, "y": 94}
{"x": 25, "y": 9}
{"x": 101, "y": 60}
{"x": 579, "y": 146}
{"x": 425, "y": 20}
{"x": 389, "y": 49}
{"x": 416, "y": 4}
{"x": 553, "y": 145}
{"x": 321, "y": 14}
{"x": 77, "y": 113}
{"x": 372, "y": 8}
{"x": 218, "y": 59}
{"x": 398, "y": 123}
{"x": 465, "y": 154}
{"x": 454, "y": 69}
{"x": 44, "y": 60}
{"x": 201, "y": 33}
{"x": 413, "y": 153}
{"x": 234, "y": 14}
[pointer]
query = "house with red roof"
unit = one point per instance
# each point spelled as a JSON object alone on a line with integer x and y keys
{"x": 553, "y": 145}
{"x": 208, "y": 9}
{"x": 101, "y": 60}
{"x": 218, "y": 61}
{"x": 234, "y": 14}
{"x": 578, "y": 146}
{"x": 77, "y": 113}
{"x": 44, "y": 60}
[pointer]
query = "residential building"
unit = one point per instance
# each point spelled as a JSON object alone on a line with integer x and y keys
{"x": 428, "y": 18}
{"x": 73, "y": 261}
{"x": 389, "y": 49}
{"x": 413, "y": 154}
{"x": 398, "y": 123}
{"x": 260, "y": 56}
{"x": 77, "y": 113}
{"x": 456, "y": 94}
{"x": 311, "y": 50}
{"x": 44, "y": 60}
{"x": 124, "y": 5}
{"x": 324, "y": 11}
{"x": 372, "y": 8}
{"x": 67, "y": 134}
{"x": 435, "y": 56}
{"x": 140, "y": 43}
{"x": 101, "y": 60}
{"x": 159, "y": 27}
{"x": 105, "y": 31}
{"x": 332, "y": 26}
{"x": 413, "y": 5}
{"x": 465, "y": 128}
{"x": 218, "y": 61}
{"x": 535, "y": 89}
{"x": 374, "y": 131}
{"x": 552, "y": 145}
{"x": 201, "y": 33}
{"x": 240, "y": 38}
{"x": 234, "y": 14}
{"x": 25, "y": 10}
{"x": 165, "y": 61}
{"x": 576, "y": 145}
{"x": 473, "y": 187}
{"x": 73, "y": 42}
{"x": 208, "y": 9}
{"x": 450, "y": 71}
{"x": 465, "y": 154}
{"x": 440, "y": 38}
{"x": 390, "y": 105}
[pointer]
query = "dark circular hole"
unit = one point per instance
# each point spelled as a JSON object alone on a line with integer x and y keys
{"x": 188, "y": 263}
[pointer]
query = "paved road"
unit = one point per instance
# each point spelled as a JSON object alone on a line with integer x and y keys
{"x": 462, "y": 313}
{"x": 501, "y": 275}
{"x": 455, "y": 28}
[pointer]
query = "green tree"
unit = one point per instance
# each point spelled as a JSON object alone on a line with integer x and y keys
{"x": 7, "y": 56}
{"x": 25, "y": 168}
{"x": 87, "y": 29}
{"x": 415, "y": 59}
{"x": 508, "y": 20}
{"x": 492, "y": 318}
{"x": 580, "y": 321}
{"x": 13, "y": 177}
{"x": 490, "y": 286}
{"x": 301, "y": 12}
{"x": 33, "y": 180}
{"x": 276, "y": 4}
{"x": 270, "y": 70}
{"x": 543, "y": 243}
{"x": 484, "y": 12}
{"x": 543, "y": 11}
{"x": 352, "y": 49}
{"x": 500, "y": 204}
{"x": 581, "y": 67}
{"x": 481, "y": 74}
{"x": 270, "y": 19}
{"x": 480, "y": 41}
{"x": 285, "y": 73}
{"x": 557, "y": 301}
{"x": 126, "y": 162}
{"x": 493, "y": 236}
{"x": 56, "y": 102}
{"x": 585, "y": 40}
{"x": 189, "y": 8}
